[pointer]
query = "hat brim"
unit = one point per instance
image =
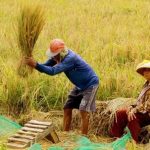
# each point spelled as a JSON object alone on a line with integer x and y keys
{"x": 140, "y": 71}
{"x": 140, "y": 68}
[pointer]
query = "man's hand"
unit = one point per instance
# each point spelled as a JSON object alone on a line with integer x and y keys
{"x": 30, "y": 62}
{"x": 131, "y": 114}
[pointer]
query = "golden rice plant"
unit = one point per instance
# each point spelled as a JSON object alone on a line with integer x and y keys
{"x": 30, "y": 24}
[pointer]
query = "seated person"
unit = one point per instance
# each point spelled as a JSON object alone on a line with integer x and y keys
{"x": 136, "y": 116}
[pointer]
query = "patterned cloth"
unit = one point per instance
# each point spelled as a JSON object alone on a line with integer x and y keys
{"x": 143, "y": 102}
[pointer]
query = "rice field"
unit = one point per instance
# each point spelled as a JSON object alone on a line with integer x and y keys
{"x": 111, "y": 35}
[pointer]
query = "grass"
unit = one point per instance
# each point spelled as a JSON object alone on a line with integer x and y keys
{"x": 112, "y": 36}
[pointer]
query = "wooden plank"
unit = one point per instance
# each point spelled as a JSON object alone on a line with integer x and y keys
{"x": 27, "y": 133}
{"x": 32, "y": 129}
{"x": 40, "y": 122}
{"x": 16, "y": 146}
{"x": 19, "y": 140}
{"x": 24, "y": 136}
{"x": 53, "y": 137}
{"x": 32, "y": 132}
{"x": 50, "y": 130}
{"x": 35, "y": 126}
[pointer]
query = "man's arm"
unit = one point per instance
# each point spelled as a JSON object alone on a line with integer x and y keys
{"x": 58, "y": 68}
{"x": 49, "y": 62}
{"x": 65, "y": 65}
{"x": 32, "y": 63}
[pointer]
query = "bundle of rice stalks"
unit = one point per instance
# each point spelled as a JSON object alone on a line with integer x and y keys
{"x": 30, "y": 24}
{"x": 102, "y": 119}
{"x": 106, "y": 117}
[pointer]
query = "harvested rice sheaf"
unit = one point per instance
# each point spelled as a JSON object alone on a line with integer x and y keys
{"x": 102, "y": 119}
{"x": 30, "y": 23}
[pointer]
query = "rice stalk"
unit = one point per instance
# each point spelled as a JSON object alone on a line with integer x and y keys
{"x": 30, "y": 24}
{"x": 102, "y": 119}
{"x": 108, "y": 115}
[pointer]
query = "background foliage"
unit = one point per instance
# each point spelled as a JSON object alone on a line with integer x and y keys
{"x": 111, "y": 35}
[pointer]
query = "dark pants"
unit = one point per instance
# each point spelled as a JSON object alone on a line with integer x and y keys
{"x": 83, "y": 100}
{"x": 134, "y": 126}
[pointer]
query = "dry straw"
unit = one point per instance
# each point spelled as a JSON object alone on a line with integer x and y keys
{"x": 102, "y": 119}
{"x": 30, "y": 24}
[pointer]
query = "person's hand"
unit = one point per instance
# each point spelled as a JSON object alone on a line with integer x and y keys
{"x": 30, "y": 62}
{"x": 129, "y": 108}
{"x": 131, "y": 115}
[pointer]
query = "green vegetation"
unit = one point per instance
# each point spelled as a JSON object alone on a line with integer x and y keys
{"x": 3, "y": 147}
{"x": 112, "y": 36}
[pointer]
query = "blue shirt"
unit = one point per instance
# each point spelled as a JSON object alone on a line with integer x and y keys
{"x": 75, "y": 68}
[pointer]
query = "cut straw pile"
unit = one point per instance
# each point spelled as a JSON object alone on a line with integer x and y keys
{"x": 102, "y": 119}
{"x": 30, "y": 24}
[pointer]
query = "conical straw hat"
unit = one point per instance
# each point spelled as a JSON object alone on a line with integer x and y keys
{"x": 141, "y": 66}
